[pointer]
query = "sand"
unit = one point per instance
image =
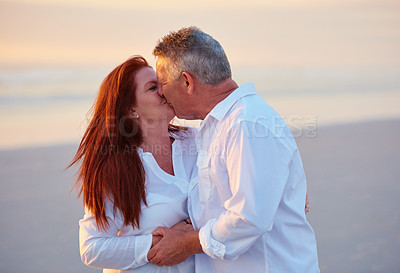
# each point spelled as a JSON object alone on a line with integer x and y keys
{"x": 353, "y": 179}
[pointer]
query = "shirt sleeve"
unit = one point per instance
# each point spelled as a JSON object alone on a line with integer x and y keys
{"x": 257, "y": 162}
{"x": 104, "y": 249}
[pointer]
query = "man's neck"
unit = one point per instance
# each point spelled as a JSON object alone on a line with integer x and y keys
{"x": 215, "y": 94}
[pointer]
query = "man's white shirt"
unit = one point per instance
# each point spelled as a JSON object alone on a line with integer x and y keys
{"x": 249, "y": 195}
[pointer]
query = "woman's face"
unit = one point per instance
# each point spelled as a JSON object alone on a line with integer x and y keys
{"x": 149, "y": 105}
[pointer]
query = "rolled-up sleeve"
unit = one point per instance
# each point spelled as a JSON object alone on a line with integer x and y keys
{"x": 104, "y": 249}
{"x": 210, "y": 246}
{"x": 257, "y": 161}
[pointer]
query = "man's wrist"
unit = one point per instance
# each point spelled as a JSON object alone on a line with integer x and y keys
{"x": 193, "y": 242}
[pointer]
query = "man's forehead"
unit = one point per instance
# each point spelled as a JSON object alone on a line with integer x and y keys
{"x": 160, "y": 62}
{"x": 161, "y": 74}
{"x": 160, "y": 70}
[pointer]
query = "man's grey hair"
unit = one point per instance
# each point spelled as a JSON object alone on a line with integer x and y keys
{"x": 194, "y": 51}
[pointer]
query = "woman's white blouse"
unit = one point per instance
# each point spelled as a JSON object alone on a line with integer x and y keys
{"x": 124, "y": 248}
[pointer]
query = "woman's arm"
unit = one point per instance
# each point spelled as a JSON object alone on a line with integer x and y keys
{"x": 105, "y": 249}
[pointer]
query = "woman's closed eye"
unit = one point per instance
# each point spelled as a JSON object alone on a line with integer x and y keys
{"x": 153, "y": 88}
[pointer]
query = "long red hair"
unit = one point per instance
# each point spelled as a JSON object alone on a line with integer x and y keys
{"x": 111, "y": 166}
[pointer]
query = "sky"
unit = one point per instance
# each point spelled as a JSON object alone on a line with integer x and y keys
{"x": 341, "y": 33}
{"x": 308, "y": 58}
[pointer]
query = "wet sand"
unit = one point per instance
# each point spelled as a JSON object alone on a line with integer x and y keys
{"x": 353, "y": 177}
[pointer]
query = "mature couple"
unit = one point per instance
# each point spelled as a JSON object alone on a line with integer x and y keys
{"x": 227, "y": 197}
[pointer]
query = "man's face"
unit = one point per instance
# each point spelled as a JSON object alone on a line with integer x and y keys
{"x": 170, "y": 89}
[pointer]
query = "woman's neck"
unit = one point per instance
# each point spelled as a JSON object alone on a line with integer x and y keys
{"x": 156, "y": 140}
{"x": 159, "y": 144}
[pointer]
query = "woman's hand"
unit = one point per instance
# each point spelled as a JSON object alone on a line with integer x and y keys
{"x": 156, "y": 239}
{"x": 185, "y": 225}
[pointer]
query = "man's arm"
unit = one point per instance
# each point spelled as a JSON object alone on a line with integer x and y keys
{"x": 258, "y": 164}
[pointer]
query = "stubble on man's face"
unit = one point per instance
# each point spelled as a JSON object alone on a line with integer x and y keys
{"x": 163, "y": 79}
{"x": 174, "y": 92}
{"x": 169, "y": 87}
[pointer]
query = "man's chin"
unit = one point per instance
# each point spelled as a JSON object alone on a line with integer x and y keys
{"x": 186, "y": 117}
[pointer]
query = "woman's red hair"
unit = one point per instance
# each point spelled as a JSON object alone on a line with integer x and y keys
{"x": 111, "y": 166}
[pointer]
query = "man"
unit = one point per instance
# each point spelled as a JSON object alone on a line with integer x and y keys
{"x": 247, "y": 203}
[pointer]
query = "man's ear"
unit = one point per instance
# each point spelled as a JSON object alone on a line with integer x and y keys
{"x": 188, "y": 82}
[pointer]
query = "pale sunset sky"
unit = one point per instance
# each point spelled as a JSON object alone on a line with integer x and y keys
{"x": 320, "y": 55}
{"x": 339, "y": 33}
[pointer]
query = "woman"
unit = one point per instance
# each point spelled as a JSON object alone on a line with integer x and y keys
{"x": 134, "y": 174}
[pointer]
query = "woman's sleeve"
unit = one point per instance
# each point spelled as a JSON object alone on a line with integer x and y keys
{"x": 105, "y": 249}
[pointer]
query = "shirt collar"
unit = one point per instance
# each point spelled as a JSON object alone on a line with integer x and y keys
{"x": 221, "y": 109}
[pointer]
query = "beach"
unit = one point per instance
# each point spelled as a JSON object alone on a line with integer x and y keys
{"x": 353, "y": 184}
{"x": 353, "y": 180}
{"x": 331, "y": 69}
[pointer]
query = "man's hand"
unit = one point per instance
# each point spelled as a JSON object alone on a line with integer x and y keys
{"x": 175, "y": 247}
{"x": 307, "y": 207}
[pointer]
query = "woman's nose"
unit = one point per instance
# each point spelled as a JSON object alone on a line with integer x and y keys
{"x": 160, "y": 92}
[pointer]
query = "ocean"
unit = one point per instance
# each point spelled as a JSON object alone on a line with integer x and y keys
{"x": 42, "y": 106}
